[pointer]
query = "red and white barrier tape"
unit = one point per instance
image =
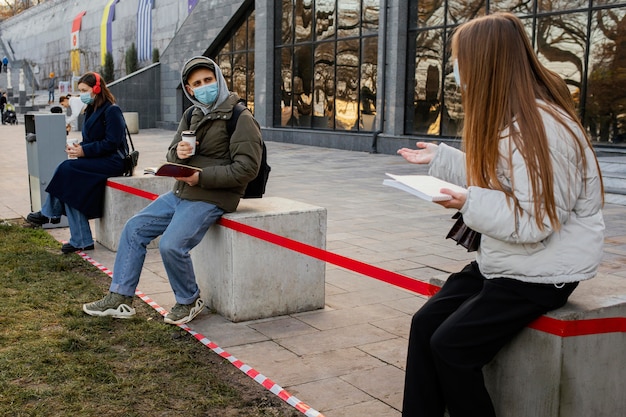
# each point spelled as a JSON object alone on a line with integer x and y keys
{"x": 562, "y": 328}
{"x": 267, "y": 383}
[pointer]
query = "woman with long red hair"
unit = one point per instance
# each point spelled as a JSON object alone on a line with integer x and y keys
{"x": 534, "y": 193}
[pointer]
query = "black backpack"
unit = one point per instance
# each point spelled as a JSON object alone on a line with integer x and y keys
{"x": 256, "y": 187}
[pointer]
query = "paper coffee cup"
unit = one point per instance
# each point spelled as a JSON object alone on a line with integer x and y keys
{"x": 71, "y": 142}
{"x": 189, "y": 136}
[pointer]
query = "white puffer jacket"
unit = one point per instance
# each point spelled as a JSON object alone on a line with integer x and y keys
{"x": 512, "y": 246}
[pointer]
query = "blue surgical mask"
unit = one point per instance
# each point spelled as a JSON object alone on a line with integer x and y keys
{"x": 455, "y": 71}
{"x": 206, "y": 94}
{"x": 86, "y": 98}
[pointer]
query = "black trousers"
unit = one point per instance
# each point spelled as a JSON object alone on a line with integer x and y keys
{"x": 459, "y": 330}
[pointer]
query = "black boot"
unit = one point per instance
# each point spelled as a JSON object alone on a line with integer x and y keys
{"x": 39, "y": 219}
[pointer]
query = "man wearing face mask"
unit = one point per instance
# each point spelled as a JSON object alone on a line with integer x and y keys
{"x": 182, "y": 217}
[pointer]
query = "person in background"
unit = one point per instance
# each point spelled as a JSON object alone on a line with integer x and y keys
{"x": 183, "y": 216}
{"x": 534, "y": 192}
{"x": 76, "y": 107}
{"x": 51, "y": 87}
{"x": 77, "y": 186}
{"x": 5, "y": 63}
{"x": 3, "y": 102}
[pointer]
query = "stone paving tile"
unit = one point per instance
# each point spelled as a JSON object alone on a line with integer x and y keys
{"x": 367, "y": 408}
{"x": 392, "y": 352}
{"x": 384, "y": 383}
{"x": 326, "y": 320}
{"x": 283, "y": 327}
{"x": 224, "y": 333}
{"x": 331, "y": 392}
{"x": 333, "y": 339}
{"x": 365, "y": 297}
{"x": 308, "y": 368}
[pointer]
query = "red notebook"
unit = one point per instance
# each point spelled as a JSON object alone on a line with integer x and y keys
{"x": 176, "y": 170}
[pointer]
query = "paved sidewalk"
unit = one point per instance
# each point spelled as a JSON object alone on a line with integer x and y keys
{"x": 348, "y": 359}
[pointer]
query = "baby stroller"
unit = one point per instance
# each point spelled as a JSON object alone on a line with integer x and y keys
{"x": 9, "y": 114}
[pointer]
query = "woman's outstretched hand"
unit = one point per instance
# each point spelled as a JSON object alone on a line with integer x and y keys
{"x": 423, "y": 155}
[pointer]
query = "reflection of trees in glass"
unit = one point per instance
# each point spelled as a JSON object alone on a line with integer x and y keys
{"x": 464, "y": 10}
{"x": 328, "y": 72}
{"x": 346, "y": 94}
{"x": 561, "y": 41}
{"x": 325, "y": 19}
{"x": 349, "y": 17}
{"x": 606, "y": 84}
{"x": 427, "y": 80}
{"x": 236, "y": 60}
{"x": 558, "y": 5}
{"x": 286, "y": 21}
{"x": 303, "y": 20}
{"x": 428, "y": 12}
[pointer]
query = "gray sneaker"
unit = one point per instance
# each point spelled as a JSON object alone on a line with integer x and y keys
{"x": 183, "y": 313}
{"x": 113, "y": 304}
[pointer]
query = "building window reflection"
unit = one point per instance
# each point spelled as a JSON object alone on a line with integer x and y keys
{"x": 327, "y": 52}
{"x": 583, "y": 41}
{"x": 236, "y": 60}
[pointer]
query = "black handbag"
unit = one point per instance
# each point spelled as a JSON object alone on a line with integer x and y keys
{"x": 131, "y": 158}
{"x": 463, "y": 235}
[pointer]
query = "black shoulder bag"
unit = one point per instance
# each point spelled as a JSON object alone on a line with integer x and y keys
{"x": 132, "y": 156}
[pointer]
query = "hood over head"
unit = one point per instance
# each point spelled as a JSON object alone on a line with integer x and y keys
{"x": 199, "y": 62}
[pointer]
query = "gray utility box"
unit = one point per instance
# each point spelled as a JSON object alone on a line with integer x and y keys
{"x": 45, "y": 150}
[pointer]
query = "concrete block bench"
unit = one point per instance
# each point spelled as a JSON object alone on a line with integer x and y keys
{"x": 119, "y": 206}
{"x": 240, "y": 276}
{"x": 540, "y": 374}
{"x": 246, "y": 278}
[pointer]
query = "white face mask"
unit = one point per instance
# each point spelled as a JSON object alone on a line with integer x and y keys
{"x": 455, "y": 71}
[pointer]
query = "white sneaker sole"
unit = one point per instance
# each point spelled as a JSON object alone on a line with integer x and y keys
{"x": 195, "y": 310}
{"x": 123, "y": 311}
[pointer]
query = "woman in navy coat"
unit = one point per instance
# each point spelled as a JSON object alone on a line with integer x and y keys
{"x": 77, "y": 186}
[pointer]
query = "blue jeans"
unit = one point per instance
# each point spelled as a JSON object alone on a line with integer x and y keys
{"x": 182, "y": 224}
{"x": 80, "y": 232}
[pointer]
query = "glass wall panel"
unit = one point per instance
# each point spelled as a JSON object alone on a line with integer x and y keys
{"x": 462, "y": 11}
{"x": 426, "y": 13}
{"x": 608, "y": 2}
{"x": 302, "y": 82}
{"x": 519, "y": 7}
{"x": 251, "y": 29}
{"x": 240, "y": 74}
{"x": 223, "y": 61}
{"x": 369, "y": 73}
{"x": 605, "y": 107}
{"x": 240, "y": 39}
{"x": 561, "y": 45}
{"x": 304, "y": 20}
{"x": 423, "y": 115}
{"x": 370, "y": 18}
{"x": 286, "y": 21}
{"x": 560, "y": 5}
{"x": 250, "y": 98}
{"x": 325, "y": 19}
{"x": 349, "y": 16}
{"x": 324, "y": 86}
{"x": 286, "y": 71}
{"x": 451, "y": 115}
{"x": 347, "y": 85}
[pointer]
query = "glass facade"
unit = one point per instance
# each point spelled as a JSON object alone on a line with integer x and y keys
{"x": 326, "y": 60}
{"x": 584, "y": 41}
{"x": 236, "y": 60}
